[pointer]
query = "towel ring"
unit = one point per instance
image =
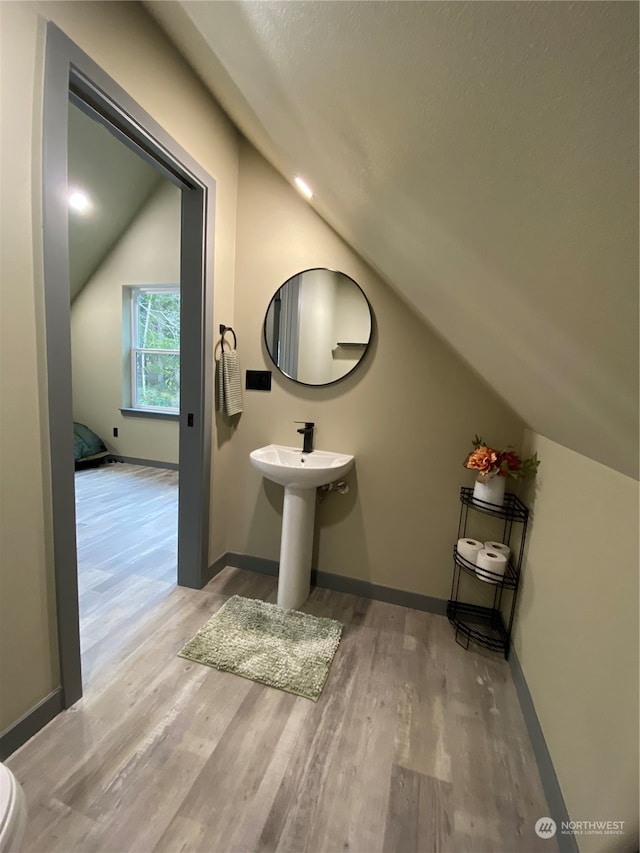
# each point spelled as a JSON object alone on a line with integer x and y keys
{"x": 224, "y": 329}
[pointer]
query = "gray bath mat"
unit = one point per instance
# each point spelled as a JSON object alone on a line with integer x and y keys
{"x": 282, "y": 648}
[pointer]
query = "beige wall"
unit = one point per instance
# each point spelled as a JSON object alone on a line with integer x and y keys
{"x": 151, "y": 71}
{"x": 577, "y": 634}
{"x": 317, "y": 306}
{"x": 27, "y": 632}
{"x": 148, "y": 253}
{"x": 408, "y": 412}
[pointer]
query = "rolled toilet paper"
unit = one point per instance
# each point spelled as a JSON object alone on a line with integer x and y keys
{"x": 500, "y": 547}
{"x": 469, "y": 548}
{"x": 492, "y": 561}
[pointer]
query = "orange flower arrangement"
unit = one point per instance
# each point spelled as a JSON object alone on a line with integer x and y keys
{"x": 489, "y": 463}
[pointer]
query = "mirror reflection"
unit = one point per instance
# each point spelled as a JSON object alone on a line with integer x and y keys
{"x": 318, "y": 326}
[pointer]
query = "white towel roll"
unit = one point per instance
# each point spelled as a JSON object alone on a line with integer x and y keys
{"x": 469, "y": 548}
{"x": 499, "y": 546}
{"x": 493, "y": 562}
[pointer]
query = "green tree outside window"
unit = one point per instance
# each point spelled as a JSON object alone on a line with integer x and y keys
{"x": 156, "y": 349}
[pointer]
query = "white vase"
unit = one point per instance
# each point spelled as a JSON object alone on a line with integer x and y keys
{"x": 490, "y": 490}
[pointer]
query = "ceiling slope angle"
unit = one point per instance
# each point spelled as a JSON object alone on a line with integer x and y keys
{"x": 117, "y": 183}
{"x": 483, "y": 157}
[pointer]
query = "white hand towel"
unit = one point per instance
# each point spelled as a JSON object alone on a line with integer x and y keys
{"x": 229, "y": 383}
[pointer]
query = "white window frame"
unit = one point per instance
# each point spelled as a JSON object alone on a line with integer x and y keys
{"x": 134, "y": 291}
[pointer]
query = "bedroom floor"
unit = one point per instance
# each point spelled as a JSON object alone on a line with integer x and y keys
{"x": 126, "y": 530}
{"x": 414, "y": 745}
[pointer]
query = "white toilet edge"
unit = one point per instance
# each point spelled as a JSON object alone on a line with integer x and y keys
{"x": 13, "y": 812}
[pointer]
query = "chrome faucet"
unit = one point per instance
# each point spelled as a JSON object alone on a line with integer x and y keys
{"x": 307, "y": 432}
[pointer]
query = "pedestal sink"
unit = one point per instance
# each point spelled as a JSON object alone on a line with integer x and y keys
{"x": 300, "y": 474}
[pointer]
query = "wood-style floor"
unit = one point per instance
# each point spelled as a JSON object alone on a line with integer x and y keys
{"x": 126, "y": 534}
{"x": 415, "y": 744}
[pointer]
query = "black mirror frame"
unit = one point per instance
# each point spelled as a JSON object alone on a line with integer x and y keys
{"x": 366, "y": 348}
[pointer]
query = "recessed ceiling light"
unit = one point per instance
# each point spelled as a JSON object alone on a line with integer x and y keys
{"x": 304, "y": 188}
{"x": 79, "y": 201}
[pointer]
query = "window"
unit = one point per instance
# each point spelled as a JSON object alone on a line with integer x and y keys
{"x": 155, "y": 348}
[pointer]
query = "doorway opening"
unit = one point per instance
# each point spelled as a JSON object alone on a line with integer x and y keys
{"x": 71, "y": 74}
{"x": 124, "y": 276}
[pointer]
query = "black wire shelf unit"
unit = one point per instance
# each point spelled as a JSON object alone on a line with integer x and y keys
{"x": 491, "y": 626}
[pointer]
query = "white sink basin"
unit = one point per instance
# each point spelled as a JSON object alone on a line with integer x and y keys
{"x": 289, "y": 466}
{"x": 300, "y": 474}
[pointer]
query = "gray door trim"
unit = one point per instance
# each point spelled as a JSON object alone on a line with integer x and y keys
{"x": 69, "y": 70}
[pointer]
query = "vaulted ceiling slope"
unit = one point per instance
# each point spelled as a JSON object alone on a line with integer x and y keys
{"x": 483, "y": 157}
{"x": 117, "y": 183}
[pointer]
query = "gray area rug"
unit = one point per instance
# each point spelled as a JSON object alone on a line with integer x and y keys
{"x": 286, "y": 649}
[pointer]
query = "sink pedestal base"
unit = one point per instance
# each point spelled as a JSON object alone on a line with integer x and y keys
{"x": 294, "y": 576}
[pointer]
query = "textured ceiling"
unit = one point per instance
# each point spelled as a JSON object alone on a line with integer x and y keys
{"x": 483, "y": 157}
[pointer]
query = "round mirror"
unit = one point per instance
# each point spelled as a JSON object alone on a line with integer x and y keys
{"x": 318, "y": 326}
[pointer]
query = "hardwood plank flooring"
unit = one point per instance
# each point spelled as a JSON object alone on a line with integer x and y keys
{"x": 126, "y": 532}
{"x": 414, "y": 746}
